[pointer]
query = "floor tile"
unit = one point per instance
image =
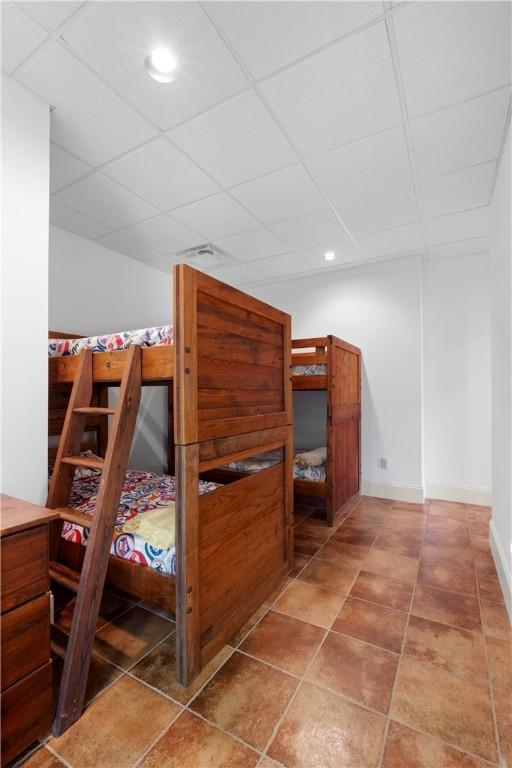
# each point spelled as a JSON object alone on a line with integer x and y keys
{"x": 408, "y": 749}
{"x": 401, "y": 542}
{"x": 481, "y": 543}
{"x": 456, "y": 650}
{"x": 441, "y": 553}
{"x": 392, "y": 565}
{"x": 343, "y": 553}
{"x": 312, "y": 526}
{"x": 158, "y": 669}
{"x": 350, "y": 535}
{"x": 489, "y": 588}
{"x": 128, "y": 638}
{"x": 43, "y": 758}
{"x": 252, "y": 621}
{"x": 402, "y": 520}
{"x": 246, "y": 698}
{"x": 448, "y": 538}
{"x": 445, "y": 705}
{"x": 305, "y": 543}
{"x": 112, "y": 605}
{"x": 360, "y": 671}
{"x": 310, "y": 603}
{"x": 500, "y": 663}
{"x": 373, "y": 623}
{"x": 382, "y": 590}
{"x": 115, "y": 730}
{"x": 323, "y": 730}
{"x": 324, "y": 573}
{"x": 447, "y": 607}
{"x": 192, "y": 743}
{"x": 495, "y": 620}
{"x": 447, "y": 525}
{"x": 299, "y": 561}
{"x": 455, "y": 513}
{"x": 268, "y": 602}
{"x": 451, "y": 575}
{"x": 101, "y": 674}
{"x": 503, "y": 704}
{"x": 285, "y": 642}
{"x": 479, "y": 528}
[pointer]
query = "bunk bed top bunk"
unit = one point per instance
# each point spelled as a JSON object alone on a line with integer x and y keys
{"x": 314, "y": 361}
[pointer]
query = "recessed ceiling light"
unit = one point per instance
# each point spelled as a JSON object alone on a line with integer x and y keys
{"x": 162, "y": 65}
{"x": 329, "y": 256}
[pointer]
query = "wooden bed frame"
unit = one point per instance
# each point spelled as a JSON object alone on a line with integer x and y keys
{"x": 342, "y": 382}
{"x": 228, "y": 374}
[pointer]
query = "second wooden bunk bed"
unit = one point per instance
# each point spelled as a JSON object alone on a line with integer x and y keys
{"x": 334, "y": 366}
{"x": 229, "y": 382}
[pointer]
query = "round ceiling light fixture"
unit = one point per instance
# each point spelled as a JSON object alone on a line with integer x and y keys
{"x": 162, "y": 65}
{"x": 329, "y": 256}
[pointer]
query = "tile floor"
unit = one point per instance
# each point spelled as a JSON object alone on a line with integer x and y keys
{"x": 389, "y": 647}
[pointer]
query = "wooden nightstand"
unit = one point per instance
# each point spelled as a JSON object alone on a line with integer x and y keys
{"x": 26, "y": 685}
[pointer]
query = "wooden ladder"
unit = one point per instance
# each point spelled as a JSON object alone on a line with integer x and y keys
{"x": 76, "y": 649}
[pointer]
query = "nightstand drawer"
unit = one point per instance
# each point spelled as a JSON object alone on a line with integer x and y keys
{"x": 25, "y": 639}
{"x": 26, "y": 709}
{"x": 24, "y": 566}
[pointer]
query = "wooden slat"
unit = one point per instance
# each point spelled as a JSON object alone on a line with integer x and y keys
{"x": 309, "y": 382}
{"x": 65, "y": 576}
{"x": 96, "y": 411}
{"x": 185, "y": 341}
{"x": 84, "y": 461}
{"x": 319, "y": 341}
{"x": 217, "y": 374}
{"x": 75, "y": 516}
{"x": 240, "y": 425}
{"x": 317, "y": 489}
{"x": 157, "y": 366}
{"x": 235, "y": 348}
{"x": 309, "y": 358}
{"x": 213, "y": 453}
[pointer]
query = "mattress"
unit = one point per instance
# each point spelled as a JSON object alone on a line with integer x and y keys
{"x": 145, "y": 337}
{"x": 301, "y": 469}
{"x": 318, "y": 369}
{"x": 142, "y": 492}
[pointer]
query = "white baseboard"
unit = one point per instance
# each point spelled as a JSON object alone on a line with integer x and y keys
{"x": 396, "y": 492}
{"x": 465, "y": 495}
{"x": 502, "y": 567}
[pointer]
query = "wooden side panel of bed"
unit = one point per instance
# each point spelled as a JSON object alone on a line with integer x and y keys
{"x": 232, "y": 394}
{"x": 344, "y": 423}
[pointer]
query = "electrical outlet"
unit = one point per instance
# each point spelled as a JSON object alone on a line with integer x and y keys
{"x": 383, "y": 463}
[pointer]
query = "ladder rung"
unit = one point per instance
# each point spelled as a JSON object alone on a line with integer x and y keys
{"x": 94, "y": 411}
{"x": 65, "y": 576}
{"x": 84, "y": 461}
{"x": 75, "y": 516}
{"x": 58, "y": 641}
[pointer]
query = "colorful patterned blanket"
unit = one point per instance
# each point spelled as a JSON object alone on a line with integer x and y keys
{"x": 146, "y": 337}
{"x": 318, "y": 369}
{"x": 301, "y": 470}
{"x": 142, "y": 491}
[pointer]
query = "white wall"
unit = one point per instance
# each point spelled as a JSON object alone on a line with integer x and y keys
{"x": 457, "y": 379}
{"x": 25, "y": 203}
{"x": 501, "y": 293}
{"x": 96, "y": 290}
{"x": 377, "y": 308}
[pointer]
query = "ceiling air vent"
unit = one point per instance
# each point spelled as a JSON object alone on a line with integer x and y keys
{"x": 206, "y": 257}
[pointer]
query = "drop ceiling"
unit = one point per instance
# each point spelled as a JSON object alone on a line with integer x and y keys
{"x": 371, "y": 129}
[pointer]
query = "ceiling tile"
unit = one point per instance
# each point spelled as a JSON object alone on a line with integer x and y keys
{"x": 163, "y": 234}
{"x": 467, "y": 134}
{"x": 465, "y": 248}
{"x": 458, "y": 226}
{"x": 216, "y": 217}
{"x": 345, "y": 250}
{"x": 271, "y": 35}
{"x": 452, "y": 51}
{"x": 364, "y": 167}
{"x": 393, "y": 208}
{"x": 20, "y": 35}
{"x": 64, "y": 168}
{"x": 236, "y": 141}
{"x": 279, "y": 266}
{"x": 238, "y": 274}
{"x": 89, "y": 120}
{"x": 50, "y": 13}
{"x": 162, "y": 175}
{"x": 249, "y": 246}
{"x": 101, "y": 199}
{"x": 309, "y": 229}
{"x": 116, "y": 44}
{"x": 339, "y": 95}
{"x": 122, "y": 244}
{"x": 398, "y": 240}
{"x": 162, "y": 263}
{"x": 63, "y": 217}
{"x": 280, "y": 195}
{"x": 457, "y": 191}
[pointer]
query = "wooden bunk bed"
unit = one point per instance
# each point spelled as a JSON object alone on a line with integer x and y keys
{"x": 330, "y": 364}
{"x": 229, "y": 384}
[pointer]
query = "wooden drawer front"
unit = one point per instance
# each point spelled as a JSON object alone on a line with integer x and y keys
{"x": 26, "y": 709}
{"x": 24, "y": 566}
{"x": 25, "y": 639}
